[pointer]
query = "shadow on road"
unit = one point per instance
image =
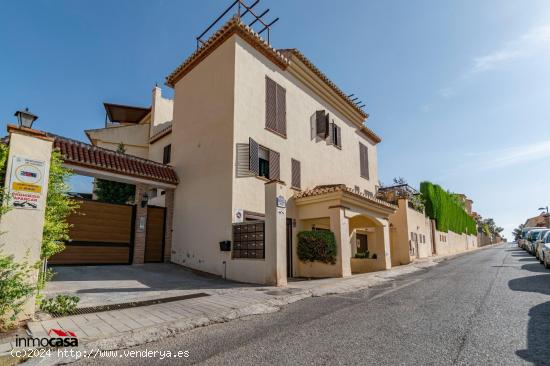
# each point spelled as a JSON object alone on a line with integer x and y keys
{"x": 535, "y": 267}
{"x": 538, "y": 328}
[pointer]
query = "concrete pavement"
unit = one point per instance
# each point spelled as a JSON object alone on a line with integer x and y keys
{"x": 489, "y": 307}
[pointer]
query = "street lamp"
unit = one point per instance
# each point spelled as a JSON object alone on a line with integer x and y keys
{"x": 544, "y": 209}
{"x": 25, "y": 118}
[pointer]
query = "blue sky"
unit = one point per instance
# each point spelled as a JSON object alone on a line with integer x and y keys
{"x": 459, "y": 90}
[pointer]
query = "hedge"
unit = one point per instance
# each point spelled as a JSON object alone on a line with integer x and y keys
{"x": 446, "y": 210}
{"x": 317, "y": 246}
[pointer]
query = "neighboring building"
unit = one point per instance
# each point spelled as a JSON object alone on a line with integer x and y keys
{"x": 467, "y": 203}
{"x": 411, "y": 230}
{"x": 542, "y": 220}
{"x": 413, "y": 234}
{"x": 144, "y": 132}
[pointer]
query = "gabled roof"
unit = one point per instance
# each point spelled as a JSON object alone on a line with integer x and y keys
{"x": 281, "y": 57}
{"x": 233, "y": 26}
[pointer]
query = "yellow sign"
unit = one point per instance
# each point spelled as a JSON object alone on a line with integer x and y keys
{"x": 26, "y": 187}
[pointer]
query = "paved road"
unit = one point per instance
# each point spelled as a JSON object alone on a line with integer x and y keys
{"x": 491, "y": 307}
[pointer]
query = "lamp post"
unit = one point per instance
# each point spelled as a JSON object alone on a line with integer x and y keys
{"x": 25, "y": 118}
{"x": 544, "y": 209}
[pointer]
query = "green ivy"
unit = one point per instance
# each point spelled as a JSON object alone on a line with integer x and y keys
{"x": 58, "y": 207}
{"x": 447, "y": 210}
{"x": 317, "y": 246}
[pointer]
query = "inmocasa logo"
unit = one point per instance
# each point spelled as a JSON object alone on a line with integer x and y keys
{"x": 57, "y": 338}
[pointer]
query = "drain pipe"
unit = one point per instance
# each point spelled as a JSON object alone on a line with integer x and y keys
{"x": 224, "y": 270}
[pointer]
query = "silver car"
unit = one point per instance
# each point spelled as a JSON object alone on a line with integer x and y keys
{"x": 532, "y": 238}
{"x": 522, "y": 241}
{"x": 537, "y": 245}
{"x": 546, "y": 255}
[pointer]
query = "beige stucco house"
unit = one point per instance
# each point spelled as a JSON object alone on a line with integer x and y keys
{"x": 144, "y": 132}
{"x": 246, "y": 114}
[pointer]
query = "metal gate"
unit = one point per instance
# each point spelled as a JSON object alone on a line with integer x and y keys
{"x": 101, "y": 233}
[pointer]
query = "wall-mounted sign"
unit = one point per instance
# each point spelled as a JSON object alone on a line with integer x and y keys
{"x": 281, "y": 202}
{"x": 27, "y": 183}
{"x": 239, "y": 215}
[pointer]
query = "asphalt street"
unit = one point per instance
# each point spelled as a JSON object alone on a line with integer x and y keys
{"x": 489, "y": 307}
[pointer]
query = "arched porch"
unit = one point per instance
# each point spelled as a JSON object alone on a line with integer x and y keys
{"x": 359, "y": 223}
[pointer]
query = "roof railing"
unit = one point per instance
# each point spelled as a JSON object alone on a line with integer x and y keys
{"x": 242, "y": 9}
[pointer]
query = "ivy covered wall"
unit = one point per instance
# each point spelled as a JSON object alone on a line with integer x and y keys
{"x": 446, "y": 210}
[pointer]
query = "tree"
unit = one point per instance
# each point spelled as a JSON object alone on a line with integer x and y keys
{"x": 517, "y": 231}
{"x": 399, "y": 180}
{"x": 115, "y": 192}
{"x": 58, "y": 208}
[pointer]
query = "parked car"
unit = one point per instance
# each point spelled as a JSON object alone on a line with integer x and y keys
{"x": 532, "y": 237}
{"x": 522, "y": 241}
{"x": 546, "y": 255}
{"x": 537, "y": 245}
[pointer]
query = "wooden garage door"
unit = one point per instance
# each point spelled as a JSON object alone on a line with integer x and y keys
{"x": 101, "y": 233}
{"x": 154, "y": 241}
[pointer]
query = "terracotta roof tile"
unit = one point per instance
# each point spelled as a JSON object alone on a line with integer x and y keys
{"x": 94, "y": 157}
{"x": 331, "y": 188}
{"x": 234, "y": 25}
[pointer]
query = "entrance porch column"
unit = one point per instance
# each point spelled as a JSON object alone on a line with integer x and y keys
{"x": 140, "y": 227}
{"x": 339, "y": 225}
{"x": 387, "y": 243}
{"x": 275, "y": 234}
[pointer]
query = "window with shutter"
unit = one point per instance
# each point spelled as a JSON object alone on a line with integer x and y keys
{"x": 296, "y": 174}
{"x": 166, "y": 154}
{"x": 281, "y": 110}
{"x": 275, "y": 107}
{"x": 274, "y": 165}
{"x": 253, "y": 156}
{"x": 322, "y": 124}
{"x": 364, "y": 160}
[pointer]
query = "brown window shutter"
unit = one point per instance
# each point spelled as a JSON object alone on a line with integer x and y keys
{"x": 253, "y": 158}
{"x": 364, "y": 160}
{"x": 270, "y": 104}
{"x": 296, "y": 174}
{"x": 321, "y": 122}
{"x": 274, "y": 165}
{"x": 242, "y": 161}
{"x": 281, "y": 110}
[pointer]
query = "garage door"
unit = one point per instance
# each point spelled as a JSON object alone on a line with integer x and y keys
{"x": 101, "y": 233}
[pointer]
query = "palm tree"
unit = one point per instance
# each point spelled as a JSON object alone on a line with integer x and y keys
{"x": 517, "y": 231}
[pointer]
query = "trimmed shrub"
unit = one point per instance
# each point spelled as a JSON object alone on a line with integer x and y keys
{"x": 447, "y": 211}
{"x": 362, "y": 255}
{"x": 317, "y": 246}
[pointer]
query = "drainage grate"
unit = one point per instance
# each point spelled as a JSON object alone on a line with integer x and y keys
{"x": 127, "y": 305}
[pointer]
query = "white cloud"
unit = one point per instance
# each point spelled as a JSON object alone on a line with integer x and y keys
{"x": 530, "y": 44}
{"x": 511, "y": 156}
{"x": 535, "y": 40}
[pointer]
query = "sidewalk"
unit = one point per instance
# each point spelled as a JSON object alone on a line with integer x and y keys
{"x": 124, "y": 328}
